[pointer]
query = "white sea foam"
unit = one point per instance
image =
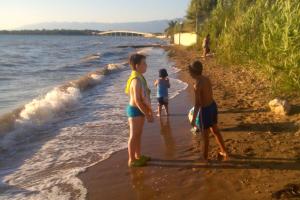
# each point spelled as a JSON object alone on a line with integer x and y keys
{"x": 181, "y": 87}
{"x": 116, "y": 66}
{"x": 96, "y": 77}
{"x": 175, "y": 69}
{"x": 91, "y": 57}
{"x": 42, "y": 110}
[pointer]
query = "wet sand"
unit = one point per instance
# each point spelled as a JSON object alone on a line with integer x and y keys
{"x": 264, "y": 148}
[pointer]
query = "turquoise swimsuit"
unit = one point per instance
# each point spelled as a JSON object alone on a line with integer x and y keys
{"x": 133, "y": 111}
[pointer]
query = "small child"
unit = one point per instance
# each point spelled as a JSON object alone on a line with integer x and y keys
{"x": 162, "y": 85}
{"x": 209, "y": 112}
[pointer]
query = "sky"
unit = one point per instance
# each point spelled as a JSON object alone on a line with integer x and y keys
{"x": 17, "y": 13}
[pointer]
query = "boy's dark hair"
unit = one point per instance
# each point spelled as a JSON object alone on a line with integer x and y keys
{"x": 196, "y": 68}
{"x": 163, "y": 73}
{"x": 135, "y": 59}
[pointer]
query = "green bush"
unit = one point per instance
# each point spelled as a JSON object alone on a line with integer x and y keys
{"x": 263, "y": 33}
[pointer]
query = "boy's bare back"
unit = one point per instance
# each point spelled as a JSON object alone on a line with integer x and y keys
{"x": 203, "y": 88}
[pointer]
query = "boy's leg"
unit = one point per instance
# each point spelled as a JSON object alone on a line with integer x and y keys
{"x": 215, "y": 130}
{"x": 140, "y": 127}
{"x": 205, "y": 135}
{"x": 135, "y": 124}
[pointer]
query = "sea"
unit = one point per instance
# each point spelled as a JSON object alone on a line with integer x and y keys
{"x": 62, "y": 108}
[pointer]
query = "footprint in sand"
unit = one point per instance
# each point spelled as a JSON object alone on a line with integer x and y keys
{"x": 249, "y": 151}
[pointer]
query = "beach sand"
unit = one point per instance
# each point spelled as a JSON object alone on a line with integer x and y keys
{"x": 264, "y": 148}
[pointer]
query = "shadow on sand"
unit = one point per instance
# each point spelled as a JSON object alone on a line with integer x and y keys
{"x": 273, "y": 127}
{"x": 235, "y": 162}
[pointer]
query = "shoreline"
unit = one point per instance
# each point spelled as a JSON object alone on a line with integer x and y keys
{"x": 263, "y": 159}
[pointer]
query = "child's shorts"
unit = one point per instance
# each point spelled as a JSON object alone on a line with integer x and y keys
{"x": 162, "y": 101}
{"x": 209, "y": 115}
{"x": 133, "y": 111}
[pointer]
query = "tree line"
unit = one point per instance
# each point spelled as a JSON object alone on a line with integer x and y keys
{"x": 261, "y": 34}
{"x": 48, "y": 32}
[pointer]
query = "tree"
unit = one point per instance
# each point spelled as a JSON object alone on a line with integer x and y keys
{"x": 199, "y": 10}
{"x": 170, "y": 31}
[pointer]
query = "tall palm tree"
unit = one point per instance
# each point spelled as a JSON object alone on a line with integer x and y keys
{"x": 170, "y": 31}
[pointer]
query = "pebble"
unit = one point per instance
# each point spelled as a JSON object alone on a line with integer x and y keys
{"x": 278, "y": 142}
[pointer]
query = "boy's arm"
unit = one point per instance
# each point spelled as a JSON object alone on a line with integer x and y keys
{"x": 155, "y": 83}
{"x": 198, "y": 104}
{"x": 137, "y": 97}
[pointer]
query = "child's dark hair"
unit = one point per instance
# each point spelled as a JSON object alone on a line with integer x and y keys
{"x": 135, "y": 59}
{"x": 163, "y": 73}
{"x": 196, "y": 68}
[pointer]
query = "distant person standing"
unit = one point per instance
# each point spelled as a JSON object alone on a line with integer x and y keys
{"x": 206, "y": 46}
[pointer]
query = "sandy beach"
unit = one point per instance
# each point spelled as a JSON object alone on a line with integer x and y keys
{"x": 264, "y": 148}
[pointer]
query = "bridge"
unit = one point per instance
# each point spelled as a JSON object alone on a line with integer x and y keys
{"x": 125, "y": 33}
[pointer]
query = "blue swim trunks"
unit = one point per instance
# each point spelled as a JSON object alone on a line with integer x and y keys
{"x": 133, "y": 111}
{"x": 209, "y": 115}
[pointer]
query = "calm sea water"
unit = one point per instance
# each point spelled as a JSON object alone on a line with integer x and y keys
{"x": 62, "y": 108}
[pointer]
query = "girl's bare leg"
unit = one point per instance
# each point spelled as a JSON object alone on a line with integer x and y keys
{"x": 167, "y": 109}
{"x": 159, "y": 110}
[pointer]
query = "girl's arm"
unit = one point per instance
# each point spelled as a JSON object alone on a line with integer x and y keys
{"x": 155, "y": 83}
{"x": 168, "y": 83}
{"x": 198, "y": 104}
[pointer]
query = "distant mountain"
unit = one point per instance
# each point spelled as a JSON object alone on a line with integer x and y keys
{"x": 157, "y": 26}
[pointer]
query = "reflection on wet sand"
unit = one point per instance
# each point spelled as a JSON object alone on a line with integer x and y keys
{"x": 166, "y": 133}
{"x": 139, "y": 186}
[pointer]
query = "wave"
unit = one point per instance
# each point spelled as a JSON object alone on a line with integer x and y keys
{"x": 46, "y": 108}
{"x": 91, "y": 57}
{"x": 145, "y": 51}
{"x": 178, "y": 91}
{"x": 6, "y": 78}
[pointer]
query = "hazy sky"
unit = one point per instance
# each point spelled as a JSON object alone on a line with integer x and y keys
{"x": 16, "y": 13}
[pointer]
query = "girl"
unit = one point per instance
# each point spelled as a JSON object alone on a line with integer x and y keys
{"x": 162, "y": 85}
